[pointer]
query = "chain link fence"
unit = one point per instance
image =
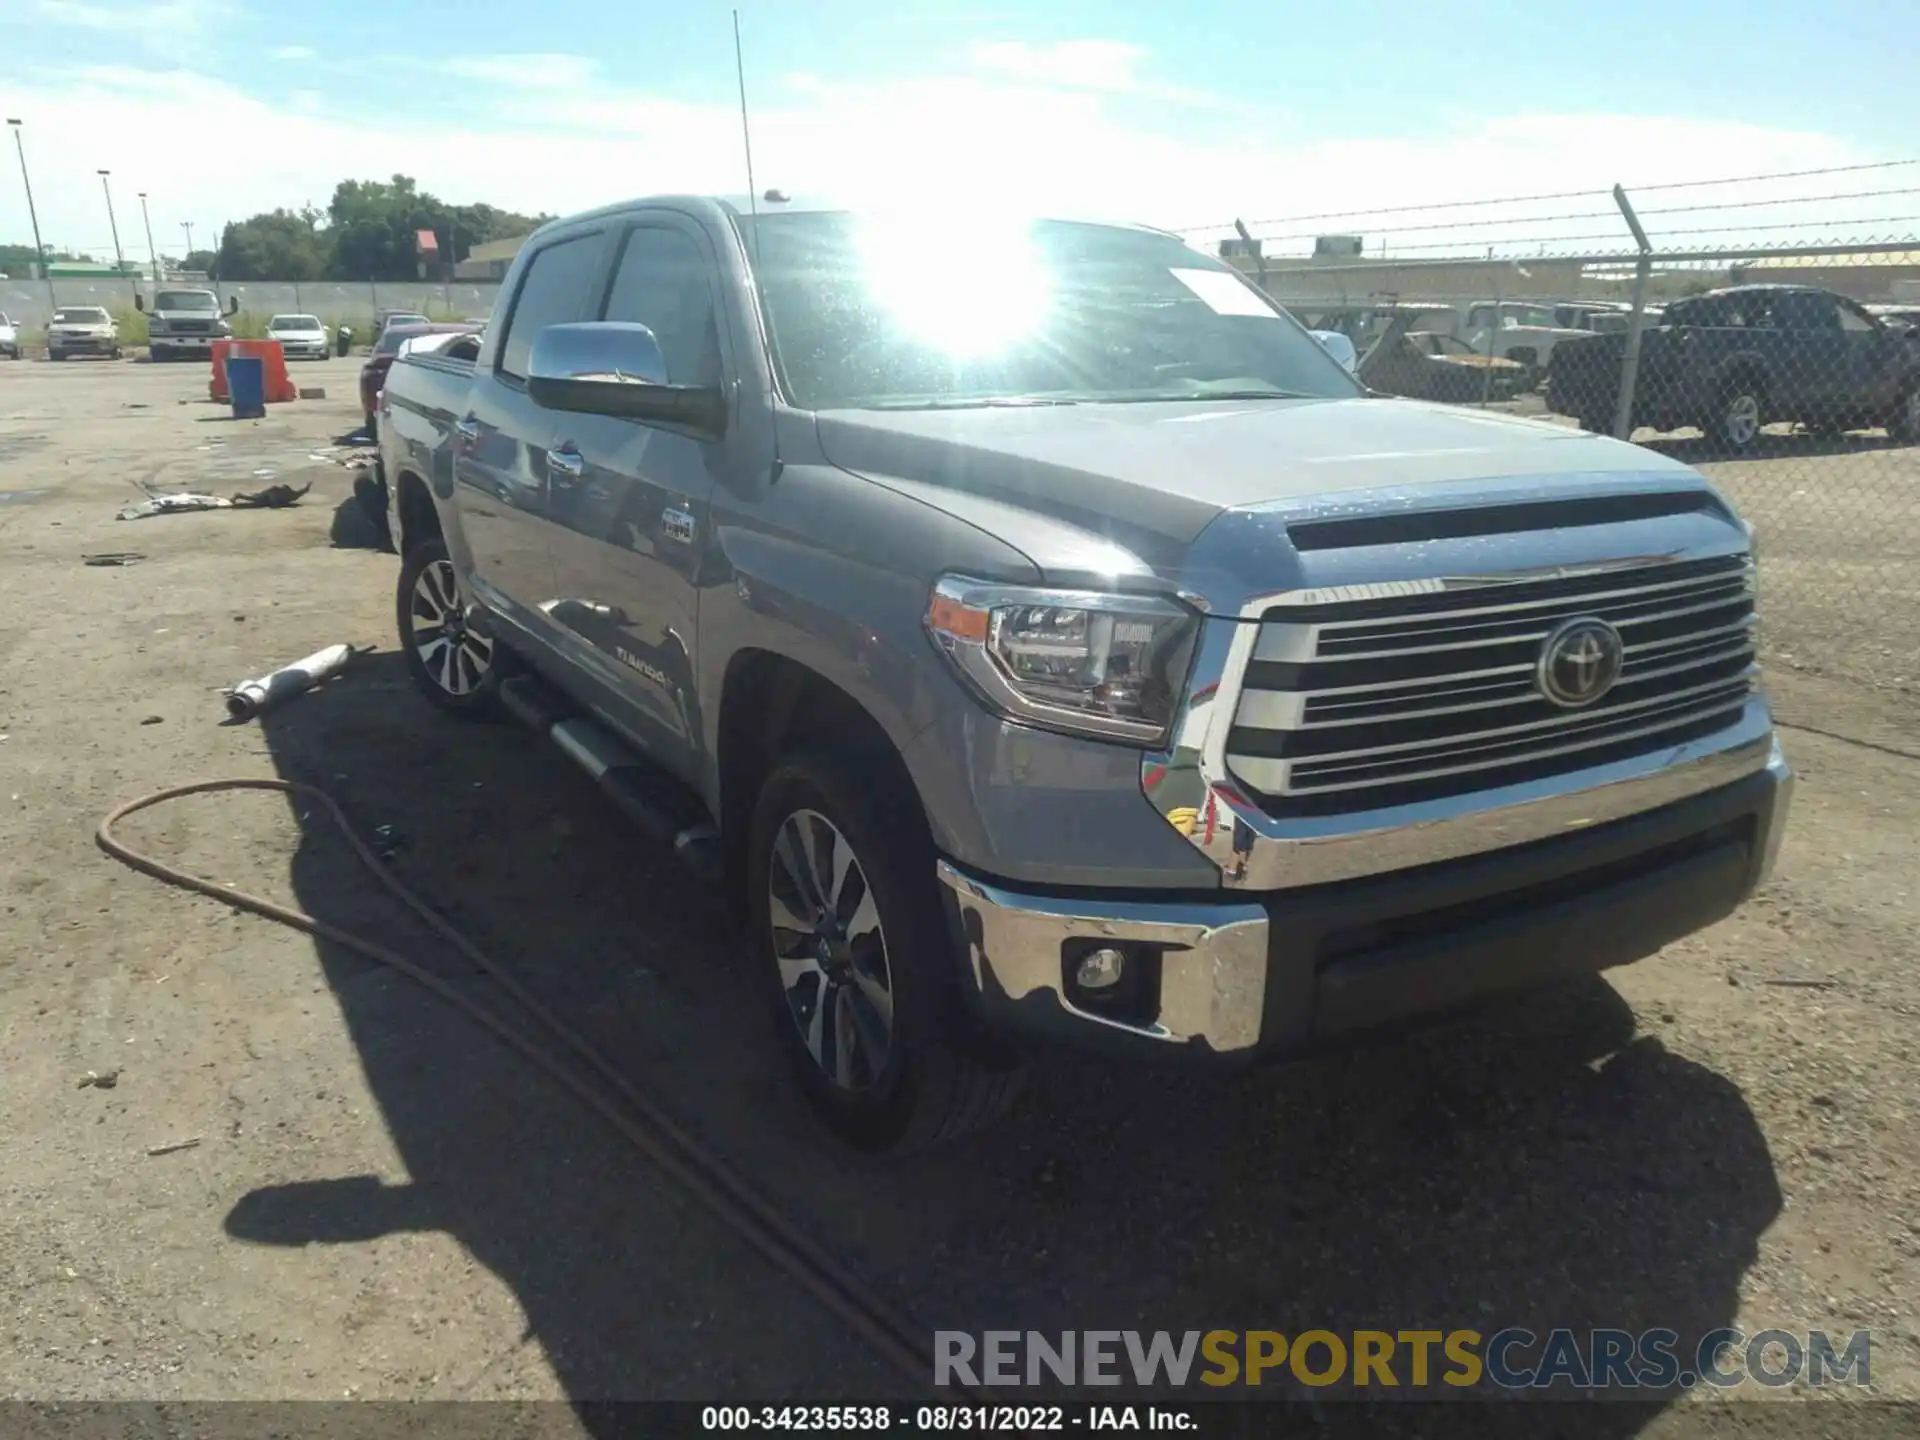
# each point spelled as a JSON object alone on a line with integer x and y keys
{"x": 1783, "y": 363}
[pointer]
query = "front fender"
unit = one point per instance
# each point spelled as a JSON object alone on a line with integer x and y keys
{"x": 832, "y": 572}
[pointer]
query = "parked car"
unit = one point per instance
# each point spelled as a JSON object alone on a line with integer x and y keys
{"x": 1523, "y": 331}
{"x": 9, "y": 338}
{"x": 82, "y": 330}
{"x": 1427, "y": 365}
{"x": 185, "y": 323}
{"x": 385, "y": 318}
{"x": 1735, "y": 360}
{"x": 1038, "y": 658}
{"x": 1366, "y": 322}
{"x": 1600, "y": 317}
{"x": 373, "y": 374}
{"x": 300, "y": 336}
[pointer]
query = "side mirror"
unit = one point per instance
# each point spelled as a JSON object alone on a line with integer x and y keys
{"x": 1339, "y": 346}
{"x": 608, "y": 367}
{"x": 138, "y": 302}
{"x": 233, "y": 305}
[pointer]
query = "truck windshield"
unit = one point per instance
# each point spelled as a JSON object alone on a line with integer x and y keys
{"x": 870, "y": 314}
{"x": 185, "y": 300}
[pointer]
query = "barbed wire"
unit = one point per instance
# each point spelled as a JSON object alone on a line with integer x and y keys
{"x": 1614, "y": 214}
{"x": 1556, "y": 195}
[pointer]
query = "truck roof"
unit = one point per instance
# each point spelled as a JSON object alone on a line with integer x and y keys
{"x": 735, "y": 206}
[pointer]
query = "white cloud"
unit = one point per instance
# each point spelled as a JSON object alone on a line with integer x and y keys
{"x": 170, "y": 17}
{"x": 536, "y": 71}
{"x": 954, "y": 141}
{"x": 1080, "y": 64}
{"x": 292, "y": 52}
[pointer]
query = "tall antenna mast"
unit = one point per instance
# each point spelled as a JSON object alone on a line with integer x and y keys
{"x": 753, "y": 210}
{"x": 746, "y": 132}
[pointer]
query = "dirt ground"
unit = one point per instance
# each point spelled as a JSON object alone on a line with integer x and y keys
{"x": 381, "y": 1202}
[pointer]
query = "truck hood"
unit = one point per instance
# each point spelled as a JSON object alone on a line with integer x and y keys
{"x": 1150, "y": 477}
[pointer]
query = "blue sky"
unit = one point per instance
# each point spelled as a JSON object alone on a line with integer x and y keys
{"x": 1175, "y": 114}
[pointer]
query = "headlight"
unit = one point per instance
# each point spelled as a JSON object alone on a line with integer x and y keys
{"x": 156, "y": 326}
{"x": 1075, "y": 660}
{"x": 221, "y": 327}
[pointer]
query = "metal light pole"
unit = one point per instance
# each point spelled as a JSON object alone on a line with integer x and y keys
{"x": 39, "y": 249}
{"x": 119, "y": 258}
{"x": 152, "y": 254}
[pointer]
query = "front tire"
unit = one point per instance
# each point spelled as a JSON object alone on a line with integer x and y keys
{"x": 846, "y": 926}
{"x": 455, "y": 666}
{"x": 1903, "y": 426}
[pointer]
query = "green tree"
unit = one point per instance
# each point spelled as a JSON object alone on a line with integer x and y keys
{"x": 15, "y": 260}
{"x": 279, "y": 246}
{"x": 375, "y": 224}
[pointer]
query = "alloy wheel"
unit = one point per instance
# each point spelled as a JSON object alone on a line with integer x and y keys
{"x": 832, "y": 954}
{"x": 1742, "y": 419}
{"x": 455, "y": 655}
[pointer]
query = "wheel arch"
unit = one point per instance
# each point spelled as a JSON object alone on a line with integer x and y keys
{"x": 772, "y": 704}
{"x": 415, "y": 515}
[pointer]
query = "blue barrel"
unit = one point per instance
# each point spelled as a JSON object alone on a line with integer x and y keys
{"x": 247, "y": 385}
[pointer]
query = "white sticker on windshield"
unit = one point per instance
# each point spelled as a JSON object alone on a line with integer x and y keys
{"x": 1224, "y": 294}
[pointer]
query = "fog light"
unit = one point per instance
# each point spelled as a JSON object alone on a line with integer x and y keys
{"x": 1100, "y": 969}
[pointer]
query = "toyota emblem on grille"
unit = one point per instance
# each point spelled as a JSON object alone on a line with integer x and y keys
{"x": 1579, "y": 662}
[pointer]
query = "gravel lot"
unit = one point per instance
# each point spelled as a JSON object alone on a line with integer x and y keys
{"x": 384, "y": 1203}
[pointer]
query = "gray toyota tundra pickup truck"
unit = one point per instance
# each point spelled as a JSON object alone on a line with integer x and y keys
{"x": 1047, "y": 640}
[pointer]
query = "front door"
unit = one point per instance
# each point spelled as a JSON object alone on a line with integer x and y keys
{"x": 630, "y": 503}
{"x": 1874, "y": 355}
{"x": 501, "y": 443}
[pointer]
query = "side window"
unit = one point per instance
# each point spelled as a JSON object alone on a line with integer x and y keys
{"x": 662, "y": 283}
{"x": 553, "y": 292}
{"x": 1800, "y": 310}
{"x": 1854, "y": 322}
{"x": 1479, "y": 316}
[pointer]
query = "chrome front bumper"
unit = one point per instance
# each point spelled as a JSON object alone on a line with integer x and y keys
{"x": 1244, "y": 973}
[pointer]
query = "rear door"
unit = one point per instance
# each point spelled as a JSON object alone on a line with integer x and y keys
{"x": 1813, "y": 375}
{"x": 501, "y": 443}
{"x": 631, "y": 511}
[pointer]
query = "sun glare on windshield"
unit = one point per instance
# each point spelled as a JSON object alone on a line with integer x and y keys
{"x": 966, "y": 292}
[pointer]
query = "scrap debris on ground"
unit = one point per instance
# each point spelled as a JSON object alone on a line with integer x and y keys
{"x": 273, "y": 497}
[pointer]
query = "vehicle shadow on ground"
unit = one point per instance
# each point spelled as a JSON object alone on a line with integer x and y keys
{"x": 1695, "y": 449}
{"x": 1538, "y": 1165}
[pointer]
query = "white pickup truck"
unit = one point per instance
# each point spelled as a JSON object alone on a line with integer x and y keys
{"x": 1521, "y": 330}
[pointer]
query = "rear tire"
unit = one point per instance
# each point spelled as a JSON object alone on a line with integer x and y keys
{"x": 1903, "y": 426}
{"x": 455, "y": 666}
{"x": 1737, "y": 422}
{"x": 863, "y": 976}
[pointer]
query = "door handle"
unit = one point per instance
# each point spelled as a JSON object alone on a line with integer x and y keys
{"x": 564, "y": 466}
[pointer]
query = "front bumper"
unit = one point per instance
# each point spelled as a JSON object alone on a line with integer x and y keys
{"x": 82, "y": 344}
{"x": 1294, "y": 970}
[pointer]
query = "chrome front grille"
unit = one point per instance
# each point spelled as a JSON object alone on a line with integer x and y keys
{"x": 1426, "y": 689}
